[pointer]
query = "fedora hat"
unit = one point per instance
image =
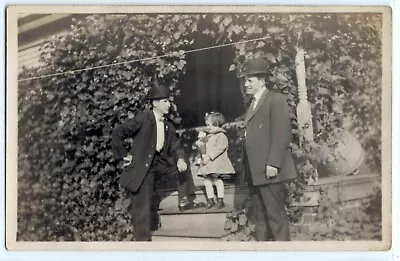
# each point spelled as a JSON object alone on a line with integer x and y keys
{"x": 158, "y": 92}
{"x": 255, "y": 66}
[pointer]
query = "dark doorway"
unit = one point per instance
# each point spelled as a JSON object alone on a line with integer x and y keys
{"x": 208, "y": 85}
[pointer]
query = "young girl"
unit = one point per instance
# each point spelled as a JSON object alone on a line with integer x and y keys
{"x": 215, "y": 159}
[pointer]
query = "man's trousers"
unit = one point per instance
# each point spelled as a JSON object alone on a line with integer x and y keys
{"x": 268, "y": 208}
{"x": 145, "y": 202}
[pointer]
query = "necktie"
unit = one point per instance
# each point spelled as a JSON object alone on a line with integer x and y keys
{"x": 252, "y": 104}
{"x": 250, "y": 108}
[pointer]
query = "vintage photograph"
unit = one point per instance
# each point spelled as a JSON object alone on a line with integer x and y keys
{"x": 198, "y": 128}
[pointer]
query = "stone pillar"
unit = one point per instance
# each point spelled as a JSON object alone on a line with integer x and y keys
{"x": 304, "y": 116}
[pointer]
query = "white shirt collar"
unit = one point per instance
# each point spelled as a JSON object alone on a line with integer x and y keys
{"x": 258, "y": 94}
{"x": 158, "y": 116}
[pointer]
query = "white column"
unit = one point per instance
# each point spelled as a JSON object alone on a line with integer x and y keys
{"x": 304, "y": 116}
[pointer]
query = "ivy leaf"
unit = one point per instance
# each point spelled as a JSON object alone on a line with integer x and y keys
{"x": 247, "y": 231}
{"x": 237, "y": 29}
{"x": 258, "y": 30}
{"x": 217, "y": 19}
{"x": 323, "y": 91}
{"x": 252, "y": 228}
{"x": 177, "y": 35}
{"x": 194, "y": 29}
{"x": 243, "y": 237}
{"x": 270, "y": 57}
{"x": 281, "y": 77}
{"x": 274, "y": 30}
{"x": 98, "y": 94}
{"x": 181, "y": 64}
{"x": 126, "y": 203}
{"x": 260, "y": 45}
{"x": 227, "y": 21}
{"x": 118, "y": 204}
{"x": 234, "y": 227}
{"x": 250, "y": 30}
{"x": 242, "y": 219}
{"x": 345, "y": 58}
{"x": 228, "y": 224}
{"x": 206, "y": 31}
{"x": 131, "y": 115}
{"x": 318, "y": 35}
{"x": 50, "y": 96}
{"x": 175, "y": 18}
{"x": 338, "y": 78}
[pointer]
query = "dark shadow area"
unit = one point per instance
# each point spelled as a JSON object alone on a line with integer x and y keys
{"x": 208, "y": 85}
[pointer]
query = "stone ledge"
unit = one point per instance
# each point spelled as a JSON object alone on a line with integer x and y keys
{"x": 340, "y": 189}
{"x": 347, "y": 179}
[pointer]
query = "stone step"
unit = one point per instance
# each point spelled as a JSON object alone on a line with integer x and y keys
{"x": 198, "y": 223}
{"x": 195, "y": 223}
{"x": 232, "y": 196}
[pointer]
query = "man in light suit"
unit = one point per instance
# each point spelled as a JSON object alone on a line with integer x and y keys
{"x": 267, "y": 159}
{"x": 155, "y": 155}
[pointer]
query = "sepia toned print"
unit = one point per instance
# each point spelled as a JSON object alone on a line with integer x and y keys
{"x": 96, "y": 160}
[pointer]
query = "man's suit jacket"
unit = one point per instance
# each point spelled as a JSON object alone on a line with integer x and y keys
{"x": 268, "y": 137}
{"x": 143, "y": 130}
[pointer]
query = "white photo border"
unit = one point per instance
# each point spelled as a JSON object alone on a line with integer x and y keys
{"x": 385, "y": 255}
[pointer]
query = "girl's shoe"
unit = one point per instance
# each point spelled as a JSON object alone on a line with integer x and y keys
{"x": 210, "y": 203}
{"x": 220, "y": 203}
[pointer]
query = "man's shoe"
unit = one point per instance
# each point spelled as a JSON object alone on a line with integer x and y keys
{"x": 185, "y": 204}
{"x": 183, "y": 207}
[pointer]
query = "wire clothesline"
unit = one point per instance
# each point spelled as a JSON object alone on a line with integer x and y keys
{"x": 143, "y": 59}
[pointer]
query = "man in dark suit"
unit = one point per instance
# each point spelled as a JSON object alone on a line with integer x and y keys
{"x": 155, "y": 154}
{"x": 267, "y": 157}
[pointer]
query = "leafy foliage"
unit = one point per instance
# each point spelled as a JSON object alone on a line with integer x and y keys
{"x": 332, "y": 221}
{"x": 68, "y": 186}
{"x": 335, "y": 223}
{"x": 239, "y": 226}
{"x": 343, "y": 68}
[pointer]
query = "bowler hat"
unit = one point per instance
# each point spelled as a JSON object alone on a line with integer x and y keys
{"x": 158, "y": 92}
{"x": 255, "y": 66}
